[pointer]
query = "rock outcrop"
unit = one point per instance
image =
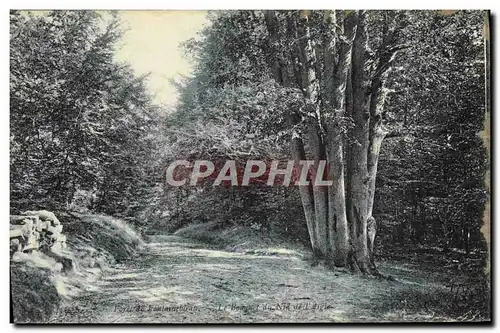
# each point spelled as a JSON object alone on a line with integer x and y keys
{"x": 38, "y": 231}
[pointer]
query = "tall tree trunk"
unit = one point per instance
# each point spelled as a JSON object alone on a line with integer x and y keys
{"x": 306, "y": 192}
{"x": 310, "y": 89}
{"x": 281, "y": 75}
{"x": 320, "y": 192}
{"x": 338, "y": 43}
{"x": 378, "y": 93}
{"x": 359, "y": 159}
{"x": 339, "y": 217}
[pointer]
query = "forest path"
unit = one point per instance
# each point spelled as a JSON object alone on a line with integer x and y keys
{"x": 178, "y": 280}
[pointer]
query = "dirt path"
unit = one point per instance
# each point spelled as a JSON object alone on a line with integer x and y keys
{"x": 177, "y": 280}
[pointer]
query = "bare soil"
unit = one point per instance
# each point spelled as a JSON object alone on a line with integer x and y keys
{"x": 179, "y": 280}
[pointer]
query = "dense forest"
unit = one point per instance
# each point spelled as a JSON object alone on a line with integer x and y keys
{"x": 82, "y": 125}
{"x": 275, "y": 85}
{"x": 393, "y": 100}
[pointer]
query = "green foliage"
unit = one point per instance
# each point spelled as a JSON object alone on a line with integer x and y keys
{"x": 231, "y": 109}
{"x": 34, "y": 296}
{"x": 431, "y": 180}
{"x": 233, "y": 122}
{"x": 79, "y": 120}
{"x": 104, "y": 234}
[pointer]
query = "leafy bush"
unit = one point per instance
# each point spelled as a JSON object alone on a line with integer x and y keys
{"x": 34, "y": 296}
{"x": 240, "y": 239}
{"x": 103, "y": 234}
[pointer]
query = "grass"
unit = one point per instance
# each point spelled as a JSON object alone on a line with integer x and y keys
{"x": 441, "y": 303}
{"x": 97, "y": 234}
{"x": 242, "y": 239}
{"x": 419, "y": 290}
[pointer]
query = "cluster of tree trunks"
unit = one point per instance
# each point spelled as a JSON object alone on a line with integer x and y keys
{"x": 343, "y": 84}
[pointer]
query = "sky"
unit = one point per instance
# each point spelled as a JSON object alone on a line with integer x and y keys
{"x": 151, "y": 45}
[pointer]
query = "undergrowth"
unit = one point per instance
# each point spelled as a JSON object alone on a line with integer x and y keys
{"x": 38, "y": 286}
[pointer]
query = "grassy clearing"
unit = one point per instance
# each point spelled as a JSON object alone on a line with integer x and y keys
{"x": 242, "y": 239}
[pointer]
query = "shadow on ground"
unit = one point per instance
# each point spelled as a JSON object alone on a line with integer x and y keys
{"x": 178, "y": 280}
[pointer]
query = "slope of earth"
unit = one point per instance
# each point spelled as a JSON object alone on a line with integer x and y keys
{"x": 178, "y": 280}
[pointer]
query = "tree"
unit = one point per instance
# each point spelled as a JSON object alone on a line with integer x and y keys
{"x": 439, "y": 106}
{"x": 340, "y": 76}
{"x": 80, "y": 122}
{"x": 342, "y": 73}
{"x": 327, "y": 59}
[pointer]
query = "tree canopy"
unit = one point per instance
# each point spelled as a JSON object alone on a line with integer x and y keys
{"x": 427, "y": 73}
{"x": 82, "y": 125}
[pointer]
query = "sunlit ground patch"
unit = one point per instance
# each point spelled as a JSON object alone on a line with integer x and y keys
{"x": 160, "y": 293}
